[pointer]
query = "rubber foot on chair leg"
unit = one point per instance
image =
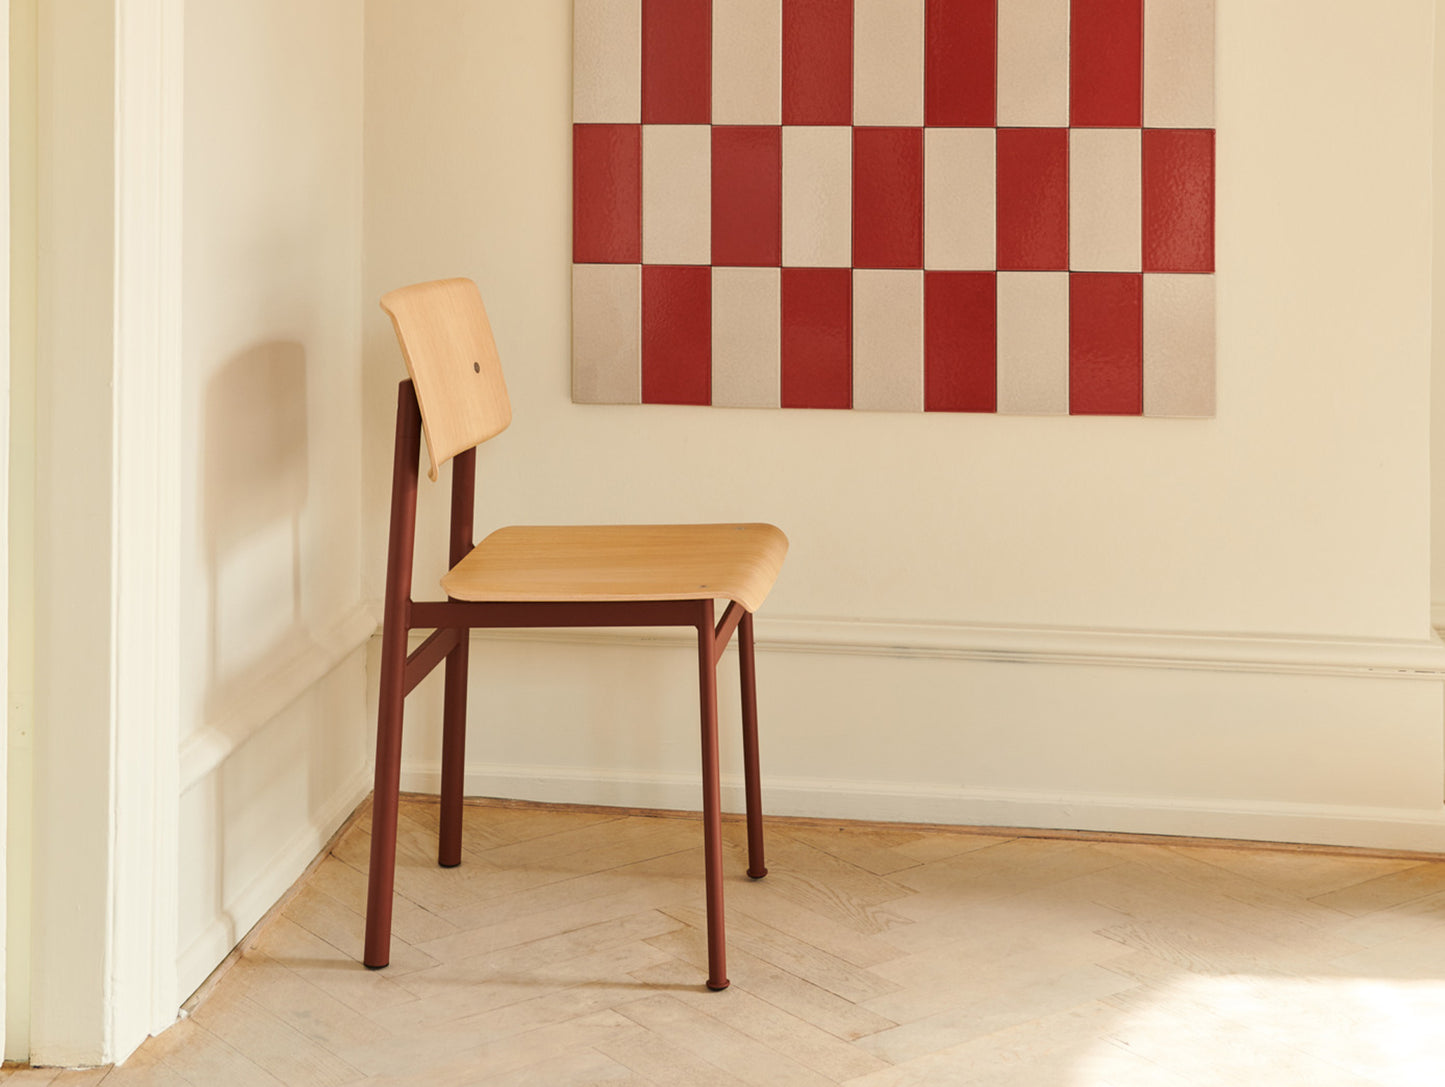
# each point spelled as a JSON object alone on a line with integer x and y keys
{"x": 757, "y": 875}
{"x": 378, "y": 965}
{"x": 451, "y": 864}
{"x": 718, "y": 986}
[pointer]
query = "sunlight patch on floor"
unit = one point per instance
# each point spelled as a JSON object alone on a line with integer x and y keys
{"x": 1320, "y": 1031}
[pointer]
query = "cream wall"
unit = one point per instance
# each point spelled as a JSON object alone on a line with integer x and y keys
{"x": 272, "y": 753}
{"x": 1211, "y": 627}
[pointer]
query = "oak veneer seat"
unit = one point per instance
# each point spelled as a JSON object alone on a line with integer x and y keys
{"x": 568, "y": 575}
{"x": 622, "y": 562}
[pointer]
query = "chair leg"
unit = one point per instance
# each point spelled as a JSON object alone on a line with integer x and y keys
{"x": 454, "y": 750}
{"x": 384, "y": 800}
{"x": 717, "y": 974}
{"x": 757, "y": 868}
{"x": 392, "y": 696}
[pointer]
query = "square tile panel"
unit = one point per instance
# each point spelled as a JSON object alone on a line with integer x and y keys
{"x": 895, "y": 205}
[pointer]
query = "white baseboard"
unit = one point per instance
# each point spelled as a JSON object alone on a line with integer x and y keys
{"x": 206, "y": 951}
{"x": 890, "y": 802}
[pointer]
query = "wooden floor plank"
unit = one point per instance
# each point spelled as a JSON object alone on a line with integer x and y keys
{"x": 812, "y": 1003}
{"x": 1397, "y": 888}
{"x": 569, "y": 947}
{"x": 766, "y": 1023}
{"x": 658, "y": 1059}
{"x": 721, "y": 1045}
{"x": 200, "y": 1057}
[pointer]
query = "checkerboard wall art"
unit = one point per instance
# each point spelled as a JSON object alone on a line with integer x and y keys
{"x": 895, "y": 205}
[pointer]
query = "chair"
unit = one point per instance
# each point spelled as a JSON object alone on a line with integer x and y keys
{"x": 566, "y": 576}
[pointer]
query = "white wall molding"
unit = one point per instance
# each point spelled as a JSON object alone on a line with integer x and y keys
{"x": 108, "y": 518}
{"x": 230, "y": 728}
{"x": 250, "y": 904}
{"x": 1281, "y": 654}
{"x": 146, "y": 518}
{"x": 892, "y": 802}
{"x": 4, "y": 504}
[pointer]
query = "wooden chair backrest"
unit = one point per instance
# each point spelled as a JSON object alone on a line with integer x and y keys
{"x": 447, "y": 343}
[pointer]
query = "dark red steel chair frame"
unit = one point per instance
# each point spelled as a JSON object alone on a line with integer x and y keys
{"x": 452, "y": 619}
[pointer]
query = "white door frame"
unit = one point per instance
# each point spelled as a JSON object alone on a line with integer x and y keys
{"x": 108, "y": 520}
{"x": 4, "y": 488}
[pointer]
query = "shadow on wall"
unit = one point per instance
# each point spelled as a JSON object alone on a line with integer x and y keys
{"x": 254, "y": 493}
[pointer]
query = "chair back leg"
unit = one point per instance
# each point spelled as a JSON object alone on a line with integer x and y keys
{"x": 752, "y": 785}
{"x": 454, "y": 756}
{"x": 454, "y": 703}
{"x": 392, "y": 698}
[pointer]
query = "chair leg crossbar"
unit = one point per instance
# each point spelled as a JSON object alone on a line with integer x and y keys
{"x": 450, "y": 620}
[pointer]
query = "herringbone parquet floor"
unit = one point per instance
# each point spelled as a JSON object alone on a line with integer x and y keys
{"x": 568, "y": 949}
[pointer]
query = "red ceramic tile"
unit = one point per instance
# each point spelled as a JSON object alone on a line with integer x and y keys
{"x": 606, "y": 194}
{"x": 888, "y": 198}
{"x": 960, "y": 63}
{"x": 1106, "y": 344}
{"x": 747, "y": 195}
{"x": 817, "y": 350}
{"x": 1178, "y": 200}
{"x": 817, "y": 62}
{"x": 1106, "y": 63}
{"x": 1033, "y": 199}
{"x": 960, "y": 341}
{"x": 676, "y": 334}
{"x": 676, "y": 62}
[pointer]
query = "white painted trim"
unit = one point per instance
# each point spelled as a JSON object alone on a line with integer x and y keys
{"x": 146, "y": 521}
{"x": 893, "y": 802}
{"x": 1422, "y": 658}
{"x": 248, "y": 906}
{"x": 4, "y": 496}
{"x": 206, "y": 750}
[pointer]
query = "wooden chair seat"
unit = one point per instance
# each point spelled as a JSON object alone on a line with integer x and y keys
{"x": 622, "y": 562}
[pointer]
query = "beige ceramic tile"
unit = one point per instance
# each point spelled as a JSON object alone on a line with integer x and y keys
{"x": 959, "y": 219}
{"x": 887, "y": 340}
{"x": 607, "y": 334}
{"x": 676, "y": 194}
{"x": 747, "y": 62}
{"x": 888, "y": 62}
{"x": 1033, "y": 343}
{"x": 1179, "y": 345}
{"x": 1105, "y": 200}
{"x": 1033, "y": 63}
{"x": 746, "y": 312}
{"x": 817, "y": 197}
{"x": 1179, "y": 63}
{"x": 607, "y": 62}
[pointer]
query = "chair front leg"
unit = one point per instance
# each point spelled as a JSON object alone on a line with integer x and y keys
{"x": 392, "y": 697}
{"x": 384, "y": 799}
{"x": 757, "y": 869}
{"x": 717, "y": 974}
